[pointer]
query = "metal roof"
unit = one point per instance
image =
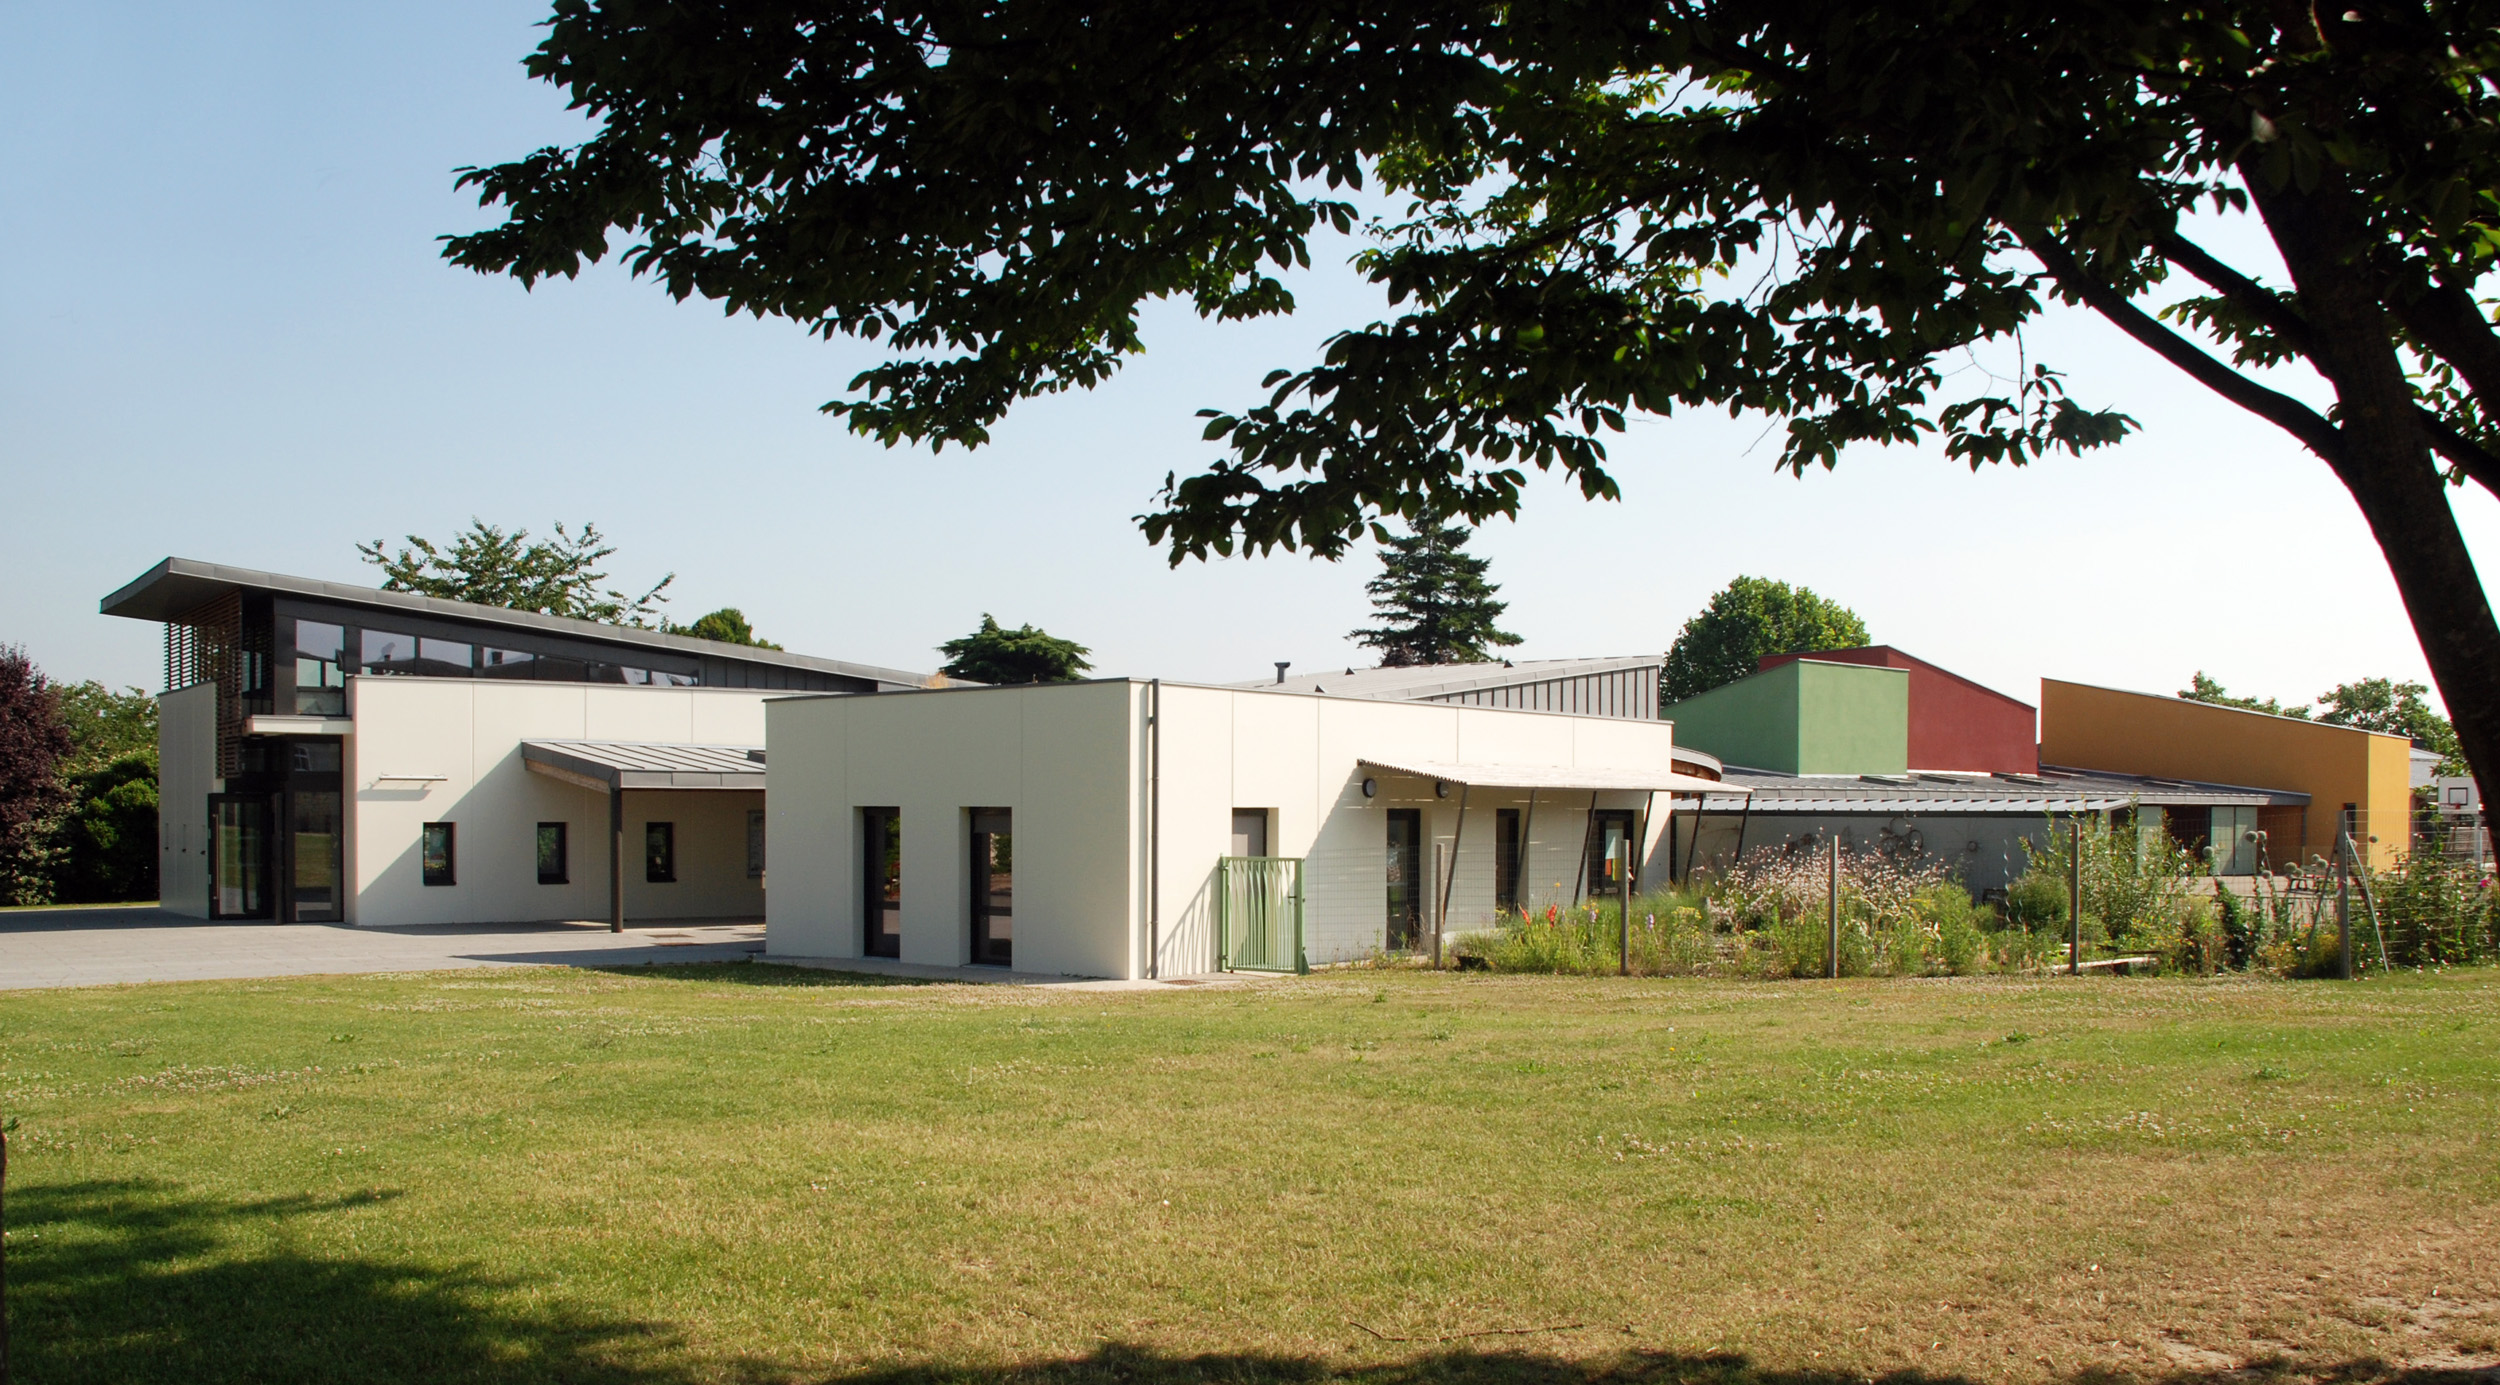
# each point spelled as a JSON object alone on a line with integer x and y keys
{"x": 1555, "y": 777}
{"x": 2053, "y": 790}
{"x": 647, "y": 764}
{"x": 1425, "y": 681}
{"x": 177, "y": 586}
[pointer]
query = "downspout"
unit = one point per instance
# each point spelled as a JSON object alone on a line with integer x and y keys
{"x": 1154, "y": 828}
{"x": 616, "y": 856}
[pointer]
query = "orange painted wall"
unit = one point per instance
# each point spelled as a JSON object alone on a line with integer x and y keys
{"x": 2084, "y": 727}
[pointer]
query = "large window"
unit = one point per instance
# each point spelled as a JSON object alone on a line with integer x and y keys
{"x": 659, "y": 853}
{"x": 435, "y": 853}
{"x": 553, "y": 867}
{"x": 881, "y": 882}
{"x": 993, "y": 887}
{"x": 1405, "y": 878}
{"x": 320, "y": 670}
{"x": 1609, "y": 829}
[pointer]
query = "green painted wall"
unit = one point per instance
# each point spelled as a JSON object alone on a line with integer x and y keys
{"x": 1852, "y": 719}
{"x": 1804, "y": 718}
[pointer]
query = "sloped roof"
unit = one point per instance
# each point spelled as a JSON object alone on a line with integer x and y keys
{"x": 1554, "y": 777}
{"x": 1422, "y": 682}
{"x": 2053, "y": 790}
{"x": 178, "y": 586}
{"x": 648, "y": 764}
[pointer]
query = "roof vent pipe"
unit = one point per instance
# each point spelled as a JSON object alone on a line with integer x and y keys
{"x": 1281, "y": 666}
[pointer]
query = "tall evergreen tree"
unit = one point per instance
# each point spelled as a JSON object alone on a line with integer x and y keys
{"x": 1435, "y": 605}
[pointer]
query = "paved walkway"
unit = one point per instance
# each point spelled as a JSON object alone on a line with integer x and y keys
{"x": 109, "y": 945}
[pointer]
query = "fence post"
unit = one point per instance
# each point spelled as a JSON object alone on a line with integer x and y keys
{"x": 2343, "y": 905}
{"x": 2074, "y": 897}
{"x": 1831, "y": 915}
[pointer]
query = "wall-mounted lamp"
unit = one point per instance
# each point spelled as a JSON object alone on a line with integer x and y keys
{"x": 1371, "y": 788}
{"x": 1440, "y": 788}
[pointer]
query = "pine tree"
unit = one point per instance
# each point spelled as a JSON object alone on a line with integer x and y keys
{"x": 1435, "y": 605}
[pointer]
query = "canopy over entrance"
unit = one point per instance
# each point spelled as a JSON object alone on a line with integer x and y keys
{"x": 609, "y": 765}
{"x": 1556, "y": 777}
{"x": 612, "y": 767}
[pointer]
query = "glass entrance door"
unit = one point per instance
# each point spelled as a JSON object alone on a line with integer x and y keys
{"x": 238, "y": 856}
{"x": 1406, "y": 877}
{"x": 313, "y": 852}
{"x": 993, "y": 887}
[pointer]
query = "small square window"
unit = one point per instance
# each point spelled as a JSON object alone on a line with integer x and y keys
{"x": 435, "y": 851}
{"x": 551, "y": 856}
{"x": 659, "y": 852}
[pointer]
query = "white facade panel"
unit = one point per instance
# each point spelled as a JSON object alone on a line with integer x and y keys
{"x": 1102, "y": 796}
{"x": 469, "y": 733}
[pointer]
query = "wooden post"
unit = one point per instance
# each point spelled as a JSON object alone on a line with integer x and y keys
{"x": 1440, "y": 854}
{"x": 1831, "y": 915}
{"x": 2074, "y": 896}
{"x": 1623, "y": 891}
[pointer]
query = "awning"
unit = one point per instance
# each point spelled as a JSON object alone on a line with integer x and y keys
{"x": 1558, "y": 777}
{"x": 606, "y": 765}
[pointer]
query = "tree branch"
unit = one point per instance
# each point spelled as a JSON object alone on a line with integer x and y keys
{"x": 2279, "y": 409}
{"x": 2445, "y": 319}
{"x": 2285, "y": 321}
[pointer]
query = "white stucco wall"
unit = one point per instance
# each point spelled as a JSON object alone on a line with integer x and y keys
{"x": 1061, "y": 758}
{"x": 1072, "y": 762}
{"x": 470, "y": 731}
{"x": 186, "y": 774}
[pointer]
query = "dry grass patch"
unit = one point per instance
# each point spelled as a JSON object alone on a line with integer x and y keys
{"x": 683, "y": 1175}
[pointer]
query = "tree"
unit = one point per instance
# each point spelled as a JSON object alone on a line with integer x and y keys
{"x": 1807, "y": 209}
{"x": 33, "y": 742}
{"x": 105, "y": 842}
{"x": 728, "y": 625}
{"x": 485, "y": 565}
{"x": 2204, "y": 689}
{"x": 993, "y": 654}
{"x": 1749, "y": 620}
{"x": 1435, "y": 605}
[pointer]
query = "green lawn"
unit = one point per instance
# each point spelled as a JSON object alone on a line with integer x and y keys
{"x": 746, "y": 1173}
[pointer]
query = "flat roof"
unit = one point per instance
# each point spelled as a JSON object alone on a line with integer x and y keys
{"x": 1552, "y": 776}
{"x": 1419, "y": 682}
{"x": 2055, "y": 789}
{"x": 178, "y": 586}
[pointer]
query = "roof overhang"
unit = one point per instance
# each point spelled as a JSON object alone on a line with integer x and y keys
{"x": 604, "y": 766}
{"x": 1555, "y": 777}
{"x": 177, "y": 587}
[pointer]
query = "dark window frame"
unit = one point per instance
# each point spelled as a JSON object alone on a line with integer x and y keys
{"x": 564, "y": 853}
{"x": 448, "y": 872}
{"x": 1506, "y": 859}
{"x": 659, "y": 867}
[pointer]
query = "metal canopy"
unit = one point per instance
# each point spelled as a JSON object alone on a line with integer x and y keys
{"x": 1557, "y": 777}
{"x": 609, "y": 765}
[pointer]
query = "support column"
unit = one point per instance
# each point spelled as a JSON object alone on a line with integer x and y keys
{"x": 616, "y": 858}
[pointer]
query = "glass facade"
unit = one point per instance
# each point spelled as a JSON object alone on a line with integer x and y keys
{"x": 320, "y": 669}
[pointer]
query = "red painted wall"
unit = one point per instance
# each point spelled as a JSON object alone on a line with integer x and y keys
{"x": 1954, "y": 722}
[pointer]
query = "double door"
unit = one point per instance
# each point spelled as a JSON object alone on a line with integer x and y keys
{"x": 277, "y": 855}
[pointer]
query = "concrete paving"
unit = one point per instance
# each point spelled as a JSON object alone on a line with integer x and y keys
{"x": 120, "y": 944}
{"x": 108, "y": 945}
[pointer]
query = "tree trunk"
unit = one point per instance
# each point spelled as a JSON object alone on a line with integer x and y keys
{"x": 2387, "y": 462}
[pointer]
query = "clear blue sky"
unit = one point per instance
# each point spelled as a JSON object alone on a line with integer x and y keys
{"x": 225, "y": 333}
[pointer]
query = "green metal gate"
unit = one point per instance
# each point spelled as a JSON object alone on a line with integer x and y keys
{"x": 1258, "y": 914}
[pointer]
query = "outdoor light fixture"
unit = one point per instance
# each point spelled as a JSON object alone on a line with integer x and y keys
{"x": 1440, "y": 788}
{"x": 1371, "y": 787}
